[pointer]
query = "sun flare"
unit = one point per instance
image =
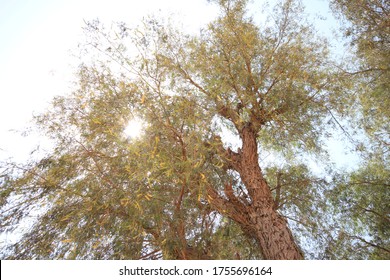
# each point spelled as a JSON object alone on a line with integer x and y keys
{"x": 134, "y": 128}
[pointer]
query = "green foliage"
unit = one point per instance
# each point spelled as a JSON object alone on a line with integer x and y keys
{"x": 361, "y": 198}
{"x": 368, "y": 29}
{"x": 278, "y": 76}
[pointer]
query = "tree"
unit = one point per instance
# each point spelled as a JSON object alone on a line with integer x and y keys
{"x": 361, "y": 199}
{"x": 364, "y": 193}
{"x": 179, "y": 189}
{"x": 368, "y": 30}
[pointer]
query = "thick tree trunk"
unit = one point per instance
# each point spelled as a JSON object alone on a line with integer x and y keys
{"x": 264, "y": 223}
{"x": 272, "y": 234}
{"x": 258, "y": 217}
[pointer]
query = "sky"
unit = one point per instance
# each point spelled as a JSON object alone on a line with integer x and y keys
{"x": 39, "y": 37}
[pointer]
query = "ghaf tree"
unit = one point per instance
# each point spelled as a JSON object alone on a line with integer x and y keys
{"x": 163, "y": 194}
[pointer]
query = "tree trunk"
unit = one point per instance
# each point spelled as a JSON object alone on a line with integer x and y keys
{"x": 257, "y": 217}
{"x": 271, "y": 232}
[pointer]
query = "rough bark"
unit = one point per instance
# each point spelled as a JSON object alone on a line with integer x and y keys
{"x": 258, "y": 217}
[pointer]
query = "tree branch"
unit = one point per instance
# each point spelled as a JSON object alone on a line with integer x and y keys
{"x": 369, "y": 243}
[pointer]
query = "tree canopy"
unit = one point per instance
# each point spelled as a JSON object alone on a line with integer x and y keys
{"x": 364, "y": 193}
{"x": 181, "y": 189}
